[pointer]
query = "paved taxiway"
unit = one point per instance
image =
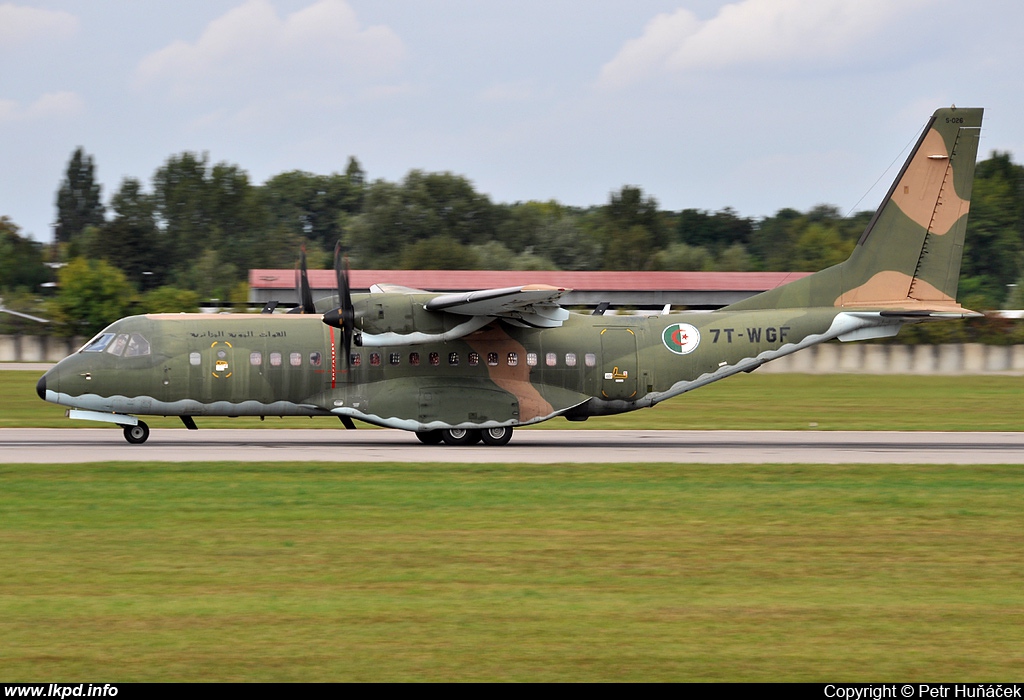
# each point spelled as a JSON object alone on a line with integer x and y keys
{"x": 56, "y": 446}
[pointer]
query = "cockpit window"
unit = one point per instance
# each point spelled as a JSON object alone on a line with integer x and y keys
{"x": 133, "y": 345}
{"x": 117, "y": 347}
{"x": 137, "y": 346}
{"x": 129, "y": 345}
{"x": 98, "y": 343}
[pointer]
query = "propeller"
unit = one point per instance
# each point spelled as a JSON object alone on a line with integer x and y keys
{"x": 343, "y": 317}
{"x": 302, "y": 289}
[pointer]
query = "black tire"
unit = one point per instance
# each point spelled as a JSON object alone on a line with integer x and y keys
{"x": 136, "y": 434}
{"x": 429, "y": 437}
{"x": 496, "y": 437}
{"x": 460, "y": 436}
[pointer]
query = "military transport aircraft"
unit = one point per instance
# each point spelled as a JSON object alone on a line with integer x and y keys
{"x": 462, "y": 368}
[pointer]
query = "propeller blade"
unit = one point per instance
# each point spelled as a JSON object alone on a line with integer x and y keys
{"x": 302, "y": 289}
{"x": 343, "y": 317}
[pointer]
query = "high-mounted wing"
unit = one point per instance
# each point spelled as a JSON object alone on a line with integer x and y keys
{"x": 533, "y": 305}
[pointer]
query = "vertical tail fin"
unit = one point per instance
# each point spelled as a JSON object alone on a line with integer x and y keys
{"x": 909, "y": 255}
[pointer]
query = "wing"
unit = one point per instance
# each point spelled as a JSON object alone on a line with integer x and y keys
{"x": 533, "y": 305}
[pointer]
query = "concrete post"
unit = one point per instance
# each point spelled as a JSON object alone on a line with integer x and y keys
{"x": 899, "y": 359}
{"x": 851, "y": 357}
{"x": 950, "y": 360}
{"x": 876, "y": 359}
{"x": 974, "y": 359}
{"x": 997, "y": 358}
{"x": 8, "y": 348}
{"x": 1017, "y": 358}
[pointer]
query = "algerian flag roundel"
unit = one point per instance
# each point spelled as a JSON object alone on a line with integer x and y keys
{"x": 681, "y": 338}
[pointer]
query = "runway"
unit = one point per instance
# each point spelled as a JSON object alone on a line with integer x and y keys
{"x": 63, "y": 446}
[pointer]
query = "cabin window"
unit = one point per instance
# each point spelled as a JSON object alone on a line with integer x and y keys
{"x": 295, "y": 359}
{"x": 551, "y": 359}
{"x": 395, "y": 358}
{"x": 590, "y": 359}
{"x": 513, "y": 359}
{"x": 194, "y": 358}
{"x": 98, "y": 343}
{"x": 435, "y": 359}
{"x": 531, "y": 359}
{"x": 255, "y": 359}
{"x": 492, "y": 359}
{"x": 355, "y": 359}
{"x": 453, "y": 358}
{"x": 117, "y": 347}
{"x": 570, "y": 359}
{"x": 474, "y": 359}
{"x": 414, "y": 359}
{"x": 375, "y": 359}
{"x": 275, "y": 359}
{"x": 315, "y": 359}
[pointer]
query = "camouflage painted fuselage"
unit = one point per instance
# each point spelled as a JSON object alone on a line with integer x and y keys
{"x": 432, "y": 361}
{"x": 258, "y": 365}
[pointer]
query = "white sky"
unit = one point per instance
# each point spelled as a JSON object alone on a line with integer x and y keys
{"x": 755, "y": 104}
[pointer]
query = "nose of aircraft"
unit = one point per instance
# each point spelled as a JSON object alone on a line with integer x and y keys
{"x": 41, "y": 387}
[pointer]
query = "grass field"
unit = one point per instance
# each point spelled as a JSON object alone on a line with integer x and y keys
{"x": 769, "y": 401}
{"x": 278, "y": 572}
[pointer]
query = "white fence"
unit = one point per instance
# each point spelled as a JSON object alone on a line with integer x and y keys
{"x": 37, "y": 348}
{"x": 861, "y": 358}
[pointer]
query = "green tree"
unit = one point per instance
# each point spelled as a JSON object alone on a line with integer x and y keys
{"x": 422, "y": 207}
{"x": 182, "y": 202}
{"x": 714, "y": 232}
{"x": 169, "y": 300}
{"x": 131, "y": 241}
{"x": 202, "y": 208}
{"x": 563, "y": 240}
{"x": 631, "y": 230}
{"x": 994, "y": 246}
{"x": 79, "y": 199}
{"x": 21, "y": 259}
{"x": 439, "y": 253}
{"x": 209, "y": 275}
{"x": 314, "y": 207}
{"x": 682, "y": 256}
{"x": 820, "y": 245}
{"x": 91, "y": 294}
{"x": 735, "y": 258}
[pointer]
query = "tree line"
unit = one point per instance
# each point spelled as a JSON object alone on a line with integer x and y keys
{"x": 197, "y": 228}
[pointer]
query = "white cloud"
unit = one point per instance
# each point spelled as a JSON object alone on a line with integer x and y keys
{"x": 53, "y": 105}
{"x": 23, "y": 25}
{"x": 754, "y": 32}
{"x": 252, "y": 51}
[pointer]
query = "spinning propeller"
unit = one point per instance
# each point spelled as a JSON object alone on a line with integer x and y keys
{"x": 343, "y": 317}
{"x": 302, "y": 289}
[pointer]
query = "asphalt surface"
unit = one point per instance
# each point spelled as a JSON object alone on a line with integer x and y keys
{"x": 57, "y": 446}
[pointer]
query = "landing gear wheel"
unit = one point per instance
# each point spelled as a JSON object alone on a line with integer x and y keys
{"x": 460, "y": 436}
{"x": 429, "y": 437}
{"x": 496, "y": 437}
{"x": 136, "y": 434}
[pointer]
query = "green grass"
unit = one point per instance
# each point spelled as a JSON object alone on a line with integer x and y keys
{"x": 770, "y": 401}
{"x": 278, "y": 572}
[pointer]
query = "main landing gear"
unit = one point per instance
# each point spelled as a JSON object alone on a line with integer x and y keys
{"x": 136, "y": 434}
{"x": 493, "y": 437}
